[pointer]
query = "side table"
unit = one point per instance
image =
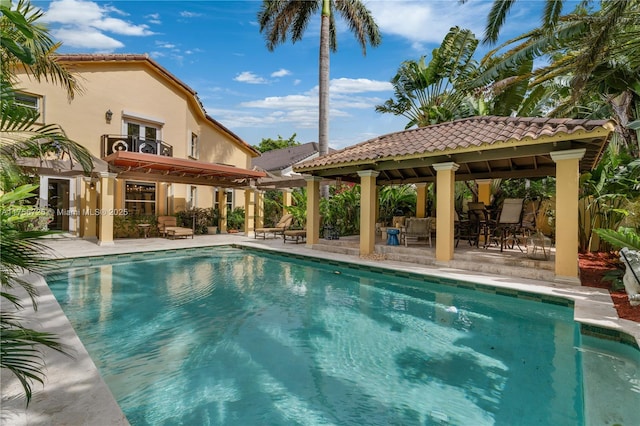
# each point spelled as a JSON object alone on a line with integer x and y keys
{"x": 144, "y": 227}
{"x": 392, "y": 237}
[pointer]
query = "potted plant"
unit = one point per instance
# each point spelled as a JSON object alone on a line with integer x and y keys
{"x": 213, "y": 218}
{"x": 235, "y": 220}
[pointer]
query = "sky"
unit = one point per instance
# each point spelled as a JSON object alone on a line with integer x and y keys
{"x": 216, "y": 48}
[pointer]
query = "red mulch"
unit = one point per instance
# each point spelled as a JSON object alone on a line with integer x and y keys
{"x": 593, "y": 266}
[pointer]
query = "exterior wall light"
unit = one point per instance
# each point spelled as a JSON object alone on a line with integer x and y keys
{"x": 108, "y": 116}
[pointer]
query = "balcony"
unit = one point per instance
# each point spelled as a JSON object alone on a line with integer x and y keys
{"x": 115, "y": 143}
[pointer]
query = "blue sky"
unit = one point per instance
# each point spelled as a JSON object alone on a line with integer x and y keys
{"x": 216, "y": 48}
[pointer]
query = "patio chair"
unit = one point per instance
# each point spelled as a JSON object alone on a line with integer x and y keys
{"x": 462, "y": 228}
{"x": 478, "y": 223}
{"x": 398, "y": 222}
{"x": 168, "y": 227}
{"x": 416, "y": 230}
{"x": 506, "y": 228}
{"x": 279, "y": 228}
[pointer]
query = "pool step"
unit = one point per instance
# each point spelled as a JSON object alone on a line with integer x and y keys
{"x": 483, "y": 261}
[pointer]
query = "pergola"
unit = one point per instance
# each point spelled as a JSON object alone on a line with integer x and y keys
{"x": 476, "y": 148}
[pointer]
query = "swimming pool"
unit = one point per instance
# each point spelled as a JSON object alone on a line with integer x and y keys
{"x": 230, "y": 336}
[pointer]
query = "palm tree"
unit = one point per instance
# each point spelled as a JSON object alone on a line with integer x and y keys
{"x": 608, "y": 86}
{"x": 435, "y": 92}
{"x": 25, "y": 44}
{"x": 280, "y": 19}
{"x": 604, "y": 25}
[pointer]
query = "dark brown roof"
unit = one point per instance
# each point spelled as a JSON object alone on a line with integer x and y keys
{"x": 280, "y": 159}
{"x": 486, "y": 146}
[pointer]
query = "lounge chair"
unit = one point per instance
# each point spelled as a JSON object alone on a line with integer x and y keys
{"x": 168, "y": 227}
{"x": 278, "y": 229}
{"x": 417, "y": 229}
{"x": 295, "y": 235}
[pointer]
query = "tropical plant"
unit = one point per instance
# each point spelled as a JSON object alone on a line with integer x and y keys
{"x": 268, "y": 144}
{"x": 396, "y": 200}
{"x": 607, "y": 192}
{"x": 212, "y": 216}
{"x": 196, "y": 218}
{"x": 26, "y": 45}
{"x": 235, "y": 219}
{"x": 299, "y": 207}
{"x": 594, "y": 62}
{"x": 280, "y": 19}
{"x": 273, "y": 207}
{"x": 20, "y": 350}
{"x": 433, "y": 93}
{"x": 622, "y": 237}
{"x": 342, "y": 209}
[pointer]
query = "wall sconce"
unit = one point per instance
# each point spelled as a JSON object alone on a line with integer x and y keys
{"x": 108, "y": 116}
{"x": 92, "y": 185}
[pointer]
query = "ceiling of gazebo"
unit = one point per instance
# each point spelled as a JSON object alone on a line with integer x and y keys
{"x": 484, "y": 147}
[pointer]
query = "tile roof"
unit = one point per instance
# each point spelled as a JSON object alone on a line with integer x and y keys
{"x": 465, "y": 134}
{"x": 280, "y": 159}
{"x": 485, "y": 147}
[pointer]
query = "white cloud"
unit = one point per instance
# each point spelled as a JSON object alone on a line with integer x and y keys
{"x": 249, "y": 78}
{"x": 341, "y": 94}
{"x": 284, "y": 102}
{"x": 428, "y": 22}
{"x": 358, "y": 85}
{"x": 154, "y": 18}
{"x": 165, "y": 45}
{"x": 280, "y": 73}
{"x": 187, "y": 14}
{"x": 118, "y": 26}
{"x": 87, "y": 38}
{"x": 83, "y": 24}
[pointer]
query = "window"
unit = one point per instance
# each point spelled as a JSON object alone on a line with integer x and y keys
{"x": 192, "y": 200}
{"x": 28, "y": 101}
{"x": 140, "y": 198}
{"x": 229, "y": 199}
{"x": 193, "y": 146}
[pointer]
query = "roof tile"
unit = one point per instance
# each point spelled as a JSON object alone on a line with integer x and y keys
{"x": 465, "y": 133}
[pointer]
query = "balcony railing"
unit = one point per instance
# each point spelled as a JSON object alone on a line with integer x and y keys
{"x": 114, "y": 143}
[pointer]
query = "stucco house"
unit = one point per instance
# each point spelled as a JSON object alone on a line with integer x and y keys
{"x": 156, "y": 149}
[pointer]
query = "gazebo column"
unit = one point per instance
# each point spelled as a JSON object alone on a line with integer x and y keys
{"x": 368, "y": 211}
{"x": 445, "y": 196}
{"x": 313, "y": 209}
{"x": 567, "y": 186}
{"x": 107, "y": 200}
{"x": 484, "y": 191}
{"x": 222, "y": 210}
{"x": 287, "y": 200}
{"x": 421, "y": 203}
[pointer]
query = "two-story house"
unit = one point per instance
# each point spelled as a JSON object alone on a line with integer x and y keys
{"x": 157, "y": 151}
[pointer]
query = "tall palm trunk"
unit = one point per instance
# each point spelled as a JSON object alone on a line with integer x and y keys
{"x": 323, "y": 86}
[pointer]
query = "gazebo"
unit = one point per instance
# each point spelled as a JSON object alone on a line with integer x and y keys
{"x": 476, "y": 148}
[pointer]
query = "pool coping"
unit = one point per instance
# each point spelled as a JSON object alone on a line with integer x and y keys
{"x": 76, "y": 394}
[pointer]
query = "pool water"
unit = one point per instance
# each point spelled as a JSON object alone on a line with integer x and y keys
{"x": 242, "y": 338}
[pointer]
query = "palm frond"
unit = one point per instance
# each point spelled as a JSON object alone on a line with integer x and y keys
{"x": 495, "y": 20}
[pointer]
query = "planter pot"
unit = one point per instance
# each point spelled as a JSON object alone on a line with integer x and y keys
{"x": 232, "y": 231}
{"x": 212, "y": 230}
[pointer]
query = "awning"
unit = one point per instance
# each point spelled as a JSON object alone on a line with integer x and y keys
{"x": 135, "y": 165}
{"x": 60, "y": 167}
